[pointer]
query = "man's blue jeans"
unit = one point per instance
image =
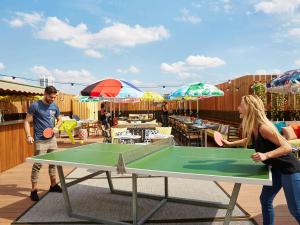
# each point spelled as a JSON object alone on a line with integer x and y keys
{"x": 291, "y": 187}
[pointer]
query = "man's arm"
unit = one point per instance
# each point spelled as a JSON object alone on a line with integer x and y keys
{"x": 27, "y": 121}
{"x": 59, "y": 121}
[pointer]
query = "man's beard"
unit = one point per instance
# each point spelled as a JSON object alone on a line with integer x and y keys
{"x": 48, "y": 101}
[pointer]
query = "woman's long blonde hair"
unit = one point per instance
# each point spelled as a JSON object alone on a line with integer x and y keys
{"x": 255, "y": 115}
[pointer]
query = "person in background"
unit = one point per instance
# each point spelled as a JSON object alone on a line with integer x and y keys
{"x": 43, "y": 114}
{"x": 165, "y": 114}
{"x": 273, "y": 150}
{"x": 103, "y": 116}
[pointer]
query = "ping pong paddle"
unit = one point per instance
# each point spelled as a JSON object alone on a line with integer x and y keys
{"x": 48, "y": 132}
{"x": 218, "y": 138}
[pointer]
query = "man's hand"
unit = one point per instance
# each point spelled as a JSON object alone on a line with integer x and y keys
{"x": 55, "y": 130}
{"x": 259, "y": 157}
{"x": 30, "y": 140}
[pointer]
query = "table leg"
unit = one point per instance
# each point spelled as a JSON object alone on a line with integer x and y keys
{"x": 65, "y": 190}
{"x": 232, "y": 202}
{"x": 134, "y": 199}
{"x": 166, "y": 188}
{"x": 110, "y": 183}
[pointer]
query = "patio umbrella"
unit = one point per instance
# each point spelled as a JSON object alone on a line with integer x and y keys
{"x": 194, "y": 91}
{"x": 152, "y": 96}
{"x": 112, "y": 89}
{"x": 288, "y": 82}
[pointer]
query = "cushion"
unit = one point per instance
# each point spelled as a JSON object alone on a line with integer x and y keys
{"x": 293, "y": 122}
{"x": 279, "y": 125}
{"x": 296, "y": 128}
{"x": 295, "y": 142}
{"x": 289, "y": 133}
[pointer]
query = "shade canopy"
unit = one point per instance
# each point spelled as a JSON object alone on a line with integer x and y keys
{"x": 112, "y": 88}
{"x": 196, "y": 90}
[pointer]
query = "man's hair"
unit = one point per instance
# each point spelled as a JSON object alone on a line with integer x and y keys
{"x": 50, "y": 90}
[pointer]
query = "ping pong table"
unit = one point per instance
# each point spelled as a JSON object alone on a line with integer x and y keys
{"x": 159, "y": 159}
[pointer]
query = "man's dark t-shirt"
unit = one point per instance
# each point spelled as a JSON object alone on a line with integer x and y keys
{"x": 43, "y": 117}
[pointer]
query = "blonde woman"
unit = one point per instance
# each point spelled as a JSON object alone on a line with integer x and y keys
{"x": 272, "y": 149}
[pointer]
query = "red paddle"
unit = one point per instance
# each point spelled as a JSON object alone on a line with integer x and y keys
{"x": 218, "y": 138}
{"x": 48, "y": 132}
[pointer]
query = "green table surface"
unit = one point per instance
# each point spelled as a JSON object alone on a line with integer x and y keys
{"x": 92, "y": 154}
{"x": 208, "y": 161}
{"x": 178, "y": 159}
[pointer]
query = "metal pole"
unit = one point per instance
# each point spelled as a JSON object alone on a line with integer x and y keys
{"x": 232, "y": 202}
{"x": 166, "y": 188}
{"x": 134, "y": 199}
{"x": 65, "y": 190}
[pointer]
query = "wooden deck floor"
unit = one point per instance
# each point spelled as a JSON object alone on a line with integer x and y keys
{"x": 15, "y": 187}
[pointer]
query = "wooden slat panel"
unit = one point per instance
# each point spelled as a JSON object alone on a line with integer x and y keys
{"x": 14, "y": 148}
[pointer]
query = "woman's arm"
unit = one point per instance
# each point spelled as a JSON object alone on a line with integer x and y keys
{"x": 241, "y": 142}
{"x": 283, "y": 149}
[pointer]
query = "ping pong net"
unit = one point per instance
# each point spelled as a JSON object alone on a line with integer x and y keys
{"x": 127, "y": 157}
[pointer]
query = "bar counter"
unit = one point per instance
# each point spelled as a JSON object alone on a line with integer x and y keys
{"x": 14, "y": 148}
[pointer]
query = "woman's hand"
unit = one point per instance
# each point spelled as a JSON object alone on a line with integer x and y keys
{"x": 259, "y": 157}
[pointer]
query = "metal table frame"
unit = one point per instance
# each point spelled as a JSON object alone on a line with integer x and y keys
{"x": 134, "y": 194}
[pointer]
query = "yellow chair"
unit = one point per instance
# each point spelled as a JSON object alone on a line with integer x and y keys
{"x": 114, "y": 131}
{"x": 68, "y": 126}
{"x": 164, "y": 130}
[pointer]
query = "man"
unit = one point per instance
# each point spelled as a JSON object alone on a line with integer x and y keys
{"x": 43, "y": 114}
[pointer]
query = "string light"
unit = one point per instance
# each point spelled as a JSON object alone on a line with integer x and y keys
{"x": 85, "y": 84}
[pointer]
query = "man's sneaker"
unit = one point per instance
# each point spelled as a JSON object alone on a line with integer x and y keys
{"x": 34, "y": 196}
{"x": 55, "y": 188}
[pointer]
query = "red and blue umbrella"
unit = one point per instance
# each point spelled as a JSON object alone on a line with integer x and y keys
{"x": 112, "y": 88}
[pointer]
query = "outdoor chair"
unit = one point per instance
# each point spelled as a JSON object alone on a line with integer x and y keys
{"x": 164, "y": 130}
{"x": 191, "y": 136}
{"x": 114, "y": 131}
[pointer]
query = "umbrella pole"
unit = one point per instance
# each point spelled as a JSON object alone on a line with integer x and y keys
{"x": 197, "y": 107}
{"x": 294, "y": 105}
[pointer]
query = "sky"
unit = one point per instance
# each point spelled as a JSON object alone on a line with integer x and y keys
{"x": 150, "y": 43}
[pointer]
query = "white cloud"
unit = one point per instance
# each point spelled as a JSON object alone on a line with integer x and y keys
{"x": 92, "y": 53}
{"x": 23, "y": 19}
{"x": 297, "y": 62}
{"x": 278, "y": 6}
{"x": 186, "y": 17}
{"x": 203, "y": 62}
{"x": 191, "y": 65}
{"x": 68, "y": 76}
{"x": 41, "y": 71}
{"x": 267, "y": 72}
{"x": 2, "y": 66}
{"x": 55, "y": 29}
{"x": 131, "y": 69}
{"x": 113, "y": 36}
